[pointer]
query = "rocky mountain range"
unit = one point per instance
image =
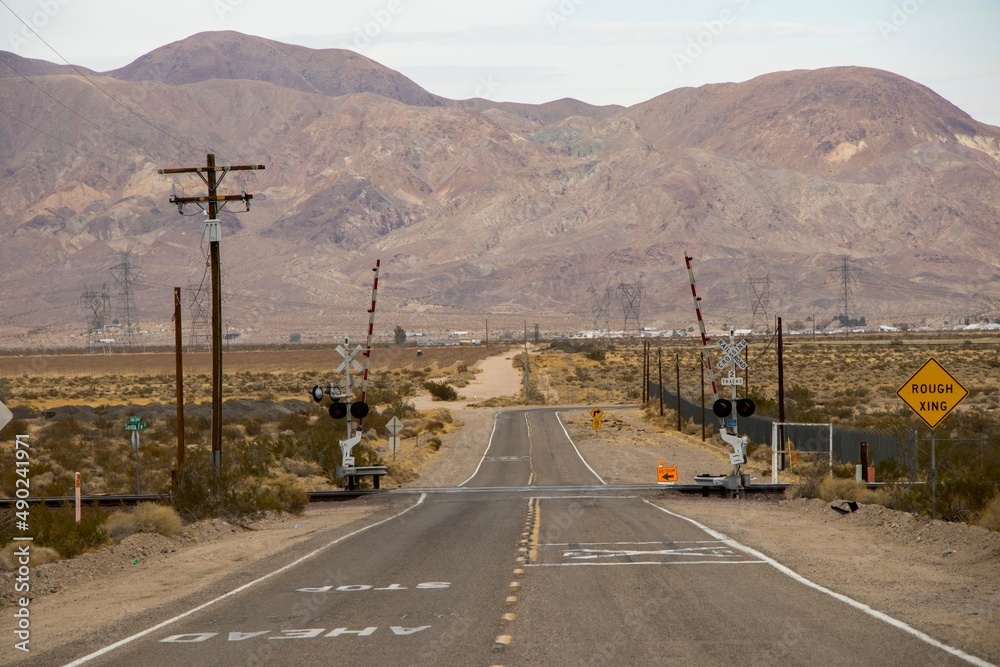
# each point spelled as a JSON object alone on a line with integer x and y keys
{"x": 479, "y": 210}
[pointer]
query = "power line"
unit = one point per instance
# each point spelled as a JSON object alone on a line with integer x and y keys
{"x": 631, "y": 298}
{"x": 760, "y": 291}
{"x": 128, "y": 315}
{"x": 73, "y": 111}
{"x": 63, "y": 141}
{"x": 94, "y": 84}
{"x": 846, "y": 280}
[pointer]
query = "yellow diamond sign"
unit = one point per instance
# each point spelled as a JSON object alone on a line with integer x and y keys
{"x": 932, "y": 393}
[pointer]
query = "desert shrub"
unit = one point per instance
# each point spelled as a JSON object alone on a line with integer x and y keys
{"x": 289, "y": 492}
{"x": 833, "y": 488}
{"x": 37, "y": 556}
{"x": 120, "y": 525}
{"x": 596, "y": 355}
{"x": 16, "y": 426}
{"x": 433, "y": 443}
{"x": 56, "y": 527}
{"x": 890, "y": 470}
{"x": 201, "y": 492}
{"x": 156, "y": 518}
{"x": 301, "y": 467}
{"x": 990, "y": 516}
{"x": 441, "y": 391}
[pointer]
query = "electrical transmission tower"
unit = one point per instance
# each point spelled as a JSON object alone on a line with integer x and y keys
{"x": 760, "y": 293}
{"x": 631, "y": 294}
{"x": 601, "y": 307}
{"x": 200, "y": 333}
{"x": 847, "y": 280}
{"x": 97, "y": 307}
{"x": 126, "y": 273}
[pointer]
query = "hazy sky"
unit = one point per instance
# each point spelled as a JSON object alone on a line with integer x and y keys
{"x": 600, "y": 51}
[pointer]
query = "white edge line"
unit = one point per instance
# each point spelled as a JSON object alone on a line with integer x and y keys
{"x": 577, "y": 450}
{"x": 598, "y": 544}
{"x": 138, "y": 635}
{"x": 686, "y": 562}
{"x": 490, "y": 444}
{"x": 860, "y": 606}
{"x": 602, "y": 496}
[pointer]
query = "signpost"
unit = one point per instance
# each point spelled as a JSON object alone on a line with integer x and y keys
{"x": 932, "y": 392}
{"x": 135, "y": 424}
{"x": 394, "y": 427}
{"x": 596, "y": 415}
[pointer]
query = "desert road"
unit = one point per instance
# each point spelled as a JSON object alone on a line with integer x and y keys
{"x": 511, "y": 576}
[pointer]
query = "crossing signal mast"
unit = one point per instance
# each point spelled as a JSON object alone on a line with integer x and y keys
{"x": 723, "y": 408}
{"x": 342, "y": 404}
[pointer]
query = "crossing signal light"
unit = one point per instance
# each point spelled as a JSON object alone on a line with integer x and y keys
{"x": 745, "y": 407}
{"x": 317, "y": 393}
{"x": 722, "y": 408}
{"x": 338, "y": 410}
{"x": 359, "y": 410}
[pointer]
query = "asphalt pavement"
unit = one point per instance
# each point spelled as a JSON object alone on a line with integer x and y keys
{"x": 494, "y": 573}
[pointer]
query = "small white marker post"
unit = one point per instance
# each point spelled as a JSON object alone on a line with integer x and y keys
{"x": 79, "y": 507}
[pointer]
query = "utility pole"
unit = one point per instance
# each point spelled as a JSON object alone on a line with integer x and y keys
{"x": 527, "y": 393}
{"x": 677, "y": 368}
{"x": 781, "y": 396}
{"x": 178, "y": 352}
{"x": 210, "y": 175}
{"x": 645, "y": 372}
{"x": 659, "y": 374}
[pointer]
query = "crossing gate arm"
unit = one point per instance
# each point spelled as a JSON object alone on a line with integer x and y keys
{"x": 775, "y": 450}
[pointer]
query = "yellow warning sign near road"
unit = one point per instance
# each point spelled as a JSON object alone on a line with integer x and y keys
{"x": 596, "y": 424}
{"x": 932, "y": 393}
{"x": 597, "y": 413}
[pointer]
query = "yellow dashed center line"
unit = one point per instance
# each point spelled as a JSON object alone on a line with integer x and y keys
{"x": 535, "y": 530}
{"x": 531, "y": 449}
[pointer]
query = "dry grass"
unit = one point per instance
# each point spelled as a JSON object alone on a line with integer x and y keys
{"x": 154, "y": 518}
{"x": 120, "y": 525}
{"x": 38, "y": 556}
{"x": 261, "y": 374}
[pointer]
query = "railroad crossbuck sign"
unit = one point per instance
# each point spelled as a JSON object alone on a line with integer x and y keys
{"x": 732, "y": 355}
{"x": 932, "y": 393}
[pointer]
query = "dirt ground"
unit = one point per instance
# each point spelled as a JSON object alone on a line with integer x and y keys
{"x": 941, "y": 578}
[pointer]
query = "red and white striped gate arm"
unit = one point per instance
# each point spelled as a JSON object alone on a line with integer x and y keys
{"x": 371, "y": 329}
{"x": 705, "y": 356}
